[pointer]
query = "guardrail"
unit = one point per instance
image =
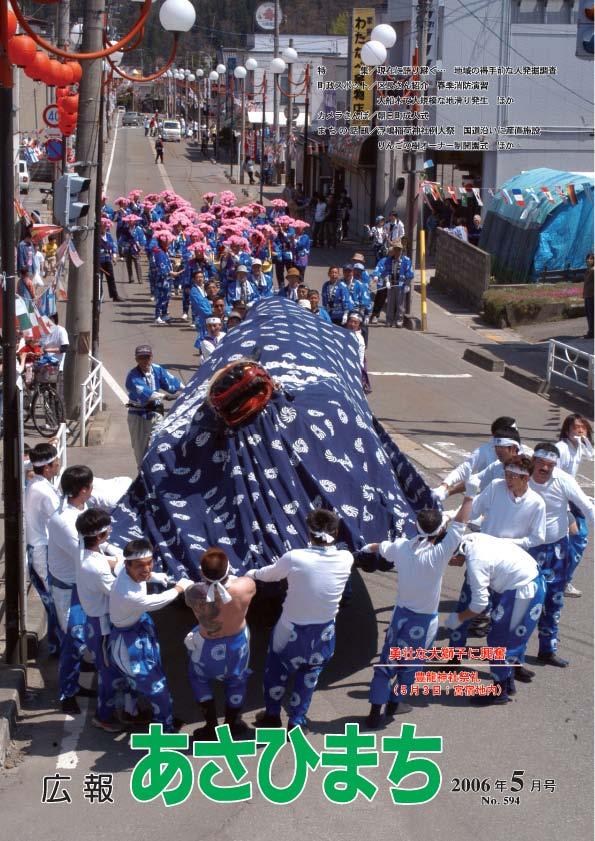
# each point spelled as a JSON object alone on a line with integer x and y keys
{"x": 570, "y": 364}
{"x": 91, "y": 395}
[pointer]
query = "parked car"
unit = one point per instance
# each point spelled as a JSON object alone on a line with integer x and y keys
{"x": 130, "y": 118}
{"x": 121, "y": 109}
{"x": 172, "y": 130}
{"x": 24, "y": 179}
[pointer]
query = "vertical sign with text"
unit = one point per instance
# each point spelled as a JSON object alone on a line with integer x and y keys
{"x": 362, "y": 94}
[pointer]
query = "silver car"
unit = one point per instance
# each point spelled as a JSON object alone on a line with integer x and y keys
{"x": 130, "y": 118}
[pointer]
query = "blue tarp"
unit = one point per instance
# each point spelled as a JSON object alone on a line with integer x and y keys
{"x": 249, "y": 489}
{"x": 542, "y": 235}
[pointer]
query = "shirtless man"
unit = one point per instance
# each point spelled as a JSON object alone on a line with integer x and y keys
{"x": 219, "y": 646}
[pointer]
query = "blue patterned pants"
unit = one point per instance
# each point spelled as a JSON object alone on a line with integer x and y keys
{"x": 225, "y": 659}
{"x": 109, "y": 680}
{"x": 407, "y": 629}
{"x": 71, "y": 622}
{"x": 512, "y": 625}
{"x": 37, "y": 557}
{"x": 577, "y": 543}
{"x": 553, "y": 561}
{"x": 162, "y": 294}
{"x": 135, "y": 653}
{"x": 458, "y": 636}
{"x": 301, "y": 650}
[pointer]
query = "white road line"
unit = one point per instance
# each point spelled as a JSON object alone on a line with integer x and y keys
{"x": 422, "y": 376}
{"x": 161, "y": 168}
{"x": 111, "y": 160}
{"x": 115, "y": 386}
{"x": 73, "y": 727}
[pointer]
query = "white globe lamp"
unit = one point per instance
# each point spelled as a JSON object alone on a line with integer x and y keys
{"x": 177, "y": 15}
{"x": 289, "y": 55}
{"x": 373, "y": 53}
{"x": 240, "y": 72}
{"x": 221, "y": 69}
{"x": 385, "y": 34}
{"x": 278, "y": 65}
{"x": 251, "y": 64}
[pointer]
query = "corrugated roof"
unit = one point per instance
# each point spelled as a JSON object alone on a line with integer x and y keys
{"x": 536, "y": 179}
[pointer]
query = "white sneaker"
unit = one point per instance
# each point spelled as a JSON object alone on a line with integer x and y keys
{"x": 159, "y": 321}
{"x": 184, "y": 316}
{"x": 571, "y": 591}
{"x": 374, "y": 319}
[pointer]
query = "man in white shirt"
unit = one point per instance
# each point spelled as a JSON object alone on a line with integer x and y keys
{"x": 557, "y": 490}
{"x": 303, "y": 640}
{"x": 56, "y": 341}
{"x": 41, "y": 500}
{"x": 420, "y": 563}
{"x": 63, "y": 559}
{"x": 95, "y": 577}
{"x": 214, "y": 339}
{"x": 500, "y": 571}
{"x": 133, "y": 640}
{"x": 510, "y": 509}
{"x": 219, "y": 646}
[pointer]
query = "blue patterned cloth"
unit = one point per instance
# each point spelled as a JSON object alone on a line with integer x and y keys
{"x": 225, "y": 659}
{"x": 513, "y": 635}
{"x": 110, "y": 682}
{"x": 302, "y": 651}
{"x": 553, "y": 560}
{"x": 72, "y": 635}
{"x": 249, "y": 489}
{"x": 136, "y": 655}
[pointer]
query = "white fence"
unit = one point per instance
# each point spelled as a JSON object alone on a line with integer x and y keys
{"x": 569, "y": 363}
{"x": 62, "y": 446}
{"x": 91, "y": 395}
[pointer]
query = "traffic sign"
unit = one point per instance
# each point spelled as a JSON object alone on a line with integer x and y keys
{"x": 52, "y": 133}
{"x": 265, "y": 16}
{"x": 295, "y": 111}
{"x": 54, "y": 150}
{"x": 51, "y": 116}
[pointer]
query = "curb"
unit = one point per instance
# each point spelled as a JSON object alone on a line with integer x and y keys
{"x": 98, "y": 430}
{"x": 12, "y": 688}
{"x": 484, "y": 359}
{"x": 530, "y": 382}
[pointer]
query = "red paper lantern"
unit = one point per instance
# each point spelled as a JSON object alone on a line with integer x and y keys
{"x": 12, "y": 23}
{"x": 70, "y": 104}
{"x": 54, "y": 74}
{"x": 21, "y": 50}
{"x": 77, "y": 71}
{"x": 61, "y": 92}
{"x": 67, "y": 74}
{"x": 38, "y": 67}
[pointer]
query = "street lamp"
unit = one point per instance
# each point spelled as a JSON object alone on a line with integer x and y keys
{"x": 277, "y": 67}
{"x": 199, "y": 73}
{"x": 177, "y": 15}
{"x": 213, "y": 77}
{"x": 240, "y": 74}
{"x": 250, "y": 65}
{"x": 289, "y": 56}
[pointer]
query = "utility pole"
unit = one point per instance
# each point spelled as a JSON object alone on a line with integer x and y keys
{"x": 288, "y": 121}
{"x": 276, "y": 135}
{"x": 96, "y": 299}
{"x": 78, "y": 312}
{"x": 63, "y": 29}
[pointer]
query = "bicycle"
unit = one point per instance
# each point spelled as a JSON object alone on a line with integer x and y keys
{"x": 42, "y": 403}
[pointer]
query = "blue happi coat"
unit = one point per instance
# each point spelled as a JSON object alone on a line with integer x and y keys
{"x": 249, "y": 489}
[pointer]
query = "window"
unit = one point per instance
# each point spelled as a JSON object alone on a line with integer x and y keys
{"x": 543, "y": 11}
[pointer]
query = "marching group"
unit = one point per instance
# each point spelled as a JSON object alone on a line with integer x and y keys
{"x": 521, "y": 531}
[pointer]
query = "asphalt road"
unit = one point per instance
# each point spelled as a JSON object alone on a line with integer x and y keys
{"x": 439, "y": 412}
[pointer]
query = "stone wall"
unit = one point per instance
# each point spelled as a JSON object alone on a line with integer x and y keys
{"x": 462, "y": 270}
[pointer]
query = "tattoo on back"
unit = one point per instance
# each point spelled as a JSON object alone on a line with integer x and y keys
{"x": 207, "y": 615}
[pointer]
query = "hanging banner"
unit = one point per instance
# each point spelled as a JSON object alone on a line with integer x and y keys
{"x": 362, "y": 94}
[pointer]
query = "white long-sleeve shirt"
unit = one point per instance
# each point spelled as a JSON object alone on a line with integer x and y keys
{"x": 571, "y": 456}
{"x": 520, "y": 518}
{"x": 421, "y": 566}
{"x": 41, "y": 500}
{"x": 108, "y": 492}
{"x": 63, "y": 543}
{"x": 479, "y": 459}
{"x": 94, "y": 581}
{"x": 128, "y": 600}
{"x": 316, "y": 578}
{"x": 557, "y": 493}
{"x": 494, "y": 563}
{"x": 210, "y": 344}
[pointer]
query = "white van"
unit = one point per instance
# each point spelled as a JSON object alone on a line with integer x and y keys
{"x": 171, "y": 130}
{"x": 24, "y": 178}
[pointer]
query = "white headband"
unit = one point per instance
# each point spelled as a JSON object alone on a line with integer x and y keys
{"x": 218, "y": 587}
{"x": 324, "y": 536}
{"x": 505, "y": 442}
{"x": 518, "y": 471}
{"x": 43, "y": 463}
{"x": 547, "y": 455}
{"x": 139, "y": 556}
{"x": 437, "y": 530}
{"x": 97, "y": 532}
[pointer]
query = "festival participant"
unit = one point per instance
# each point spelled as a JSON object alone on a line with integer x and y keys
{"x": 575, "y": 444}
{"x": 420, "y": 563}
{"x": 133, "y": 644}
{"x": 303, "y": 244}
{"x": 378, "y": 238}
{"x": 95, "y": 576}
{"x": 41, "y": 501}
{"x": 130, "y": 242}
{"x": 354, "y": 323}
{"x": 302, "y": 292}
{"x": 143, "y": 384}
{"x": 241, "y": 288}
{"x": 234, "y": 319}
{"x": 263, "y": 281}
{"x": 200, "y": 305}
{"x": 303, "y": 640}
{"x": 336, "y": 298}
{"x": 314, "y": 298}
{"x": 164, "y": 275}
{"x": 213, "y": 338}
{"x": 558, "y": 490}
{"x": 63, "y": 559}
{"x": 290, "y": 291}
{"x": 399, "y": 284}
{"x": 500, "y": 571}
{"x": 219, "y": 646}
{"x": 360, "y": 296}
{"x": 503, "y": 427}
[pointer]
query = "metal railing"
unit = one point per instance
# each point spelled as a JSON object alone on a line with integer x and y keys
{"x": 91, "y": 395}
{"x": 62, "y": 446}
{"x": 570, "y": 364}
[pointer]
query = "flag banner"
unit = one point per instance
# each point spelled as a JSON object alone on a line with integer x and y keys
{"x": 428, "y": 164}
{"x": 452, "y": 194}
{"x": 572, "y": 194}
{"x": 74, "y": 255}
{"x": 477, "y": 195}
{"x": 506, "y": 196}
{"x": 547, "y": 194}
{"x": 518, "y": 196}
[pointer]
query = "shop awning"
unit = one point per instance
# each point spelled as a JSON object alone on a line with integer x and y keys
{"x": 353, "y": 152}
